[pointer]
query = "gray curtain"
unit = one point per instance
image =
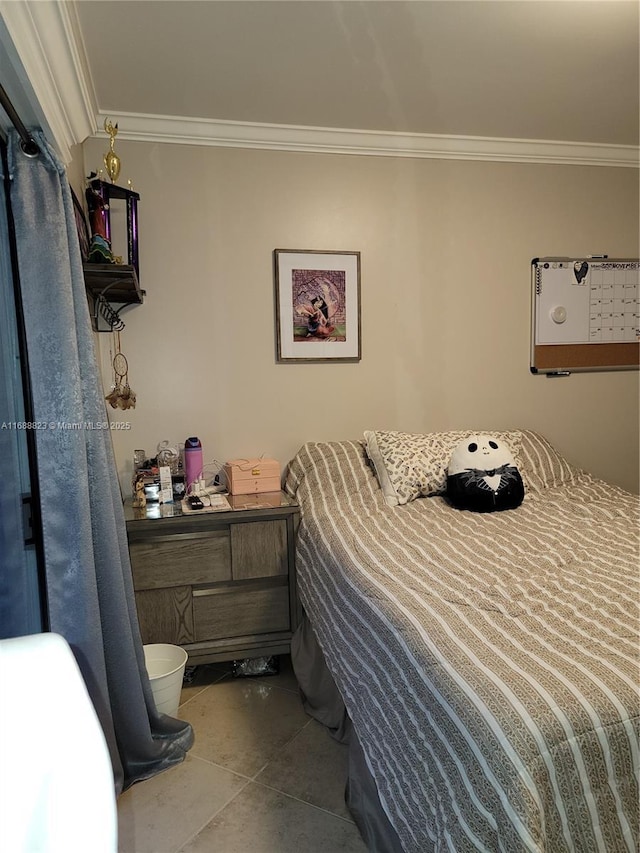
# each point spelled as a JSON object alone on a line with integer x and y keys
{"x": 19, "y": 580}
{"x": 88, "y": 574}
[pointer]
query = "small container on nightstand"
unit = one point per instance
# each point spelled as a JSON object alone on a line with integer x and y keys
{"x": 251, "y": 476}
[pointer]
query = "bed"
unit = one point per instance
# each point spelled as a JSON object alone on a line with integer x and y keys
{"x": 483, "y": 665}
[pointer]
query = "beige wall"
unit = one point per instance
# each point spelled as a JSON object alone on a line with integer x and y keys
{"x": 446, "y": 249}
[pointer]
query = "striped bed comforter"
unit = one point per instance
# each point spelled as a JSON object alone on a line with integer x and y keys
{"x": 489, "y": 662}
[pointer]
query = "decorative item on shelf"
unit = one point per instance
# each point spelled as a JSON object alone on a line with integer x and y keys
{"x": 168, "y": 456}
{"x": 100, "y": 245}
{"x": 111, "y": 159}
{"x": 121, "y": 395}
{"x": 139, "y": 458}
{"x": 139, "y": 497}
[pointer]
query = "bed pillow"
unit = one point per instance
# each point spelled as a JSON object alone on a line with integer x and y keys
{"x": 413, "y": 465}
{"x": 541, "y": 465}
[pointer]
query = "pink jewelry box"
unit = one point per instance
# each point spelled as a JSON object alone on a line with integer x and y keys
{"x": 251, "y": 476}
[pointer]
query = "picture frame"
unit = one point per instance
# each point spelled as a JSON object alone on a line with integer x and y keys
{"x": 317, "y": 305}
{"x": 81, "y": 227}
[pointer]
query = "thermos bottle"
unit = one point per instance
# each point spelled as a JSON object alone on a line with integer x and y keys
{"x": 193, "y": 463}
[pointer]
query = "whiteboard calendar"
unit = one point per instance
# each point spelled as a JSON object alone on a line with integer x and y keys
{"x": 582, "y": 302}
{"x": 589, "y": 306}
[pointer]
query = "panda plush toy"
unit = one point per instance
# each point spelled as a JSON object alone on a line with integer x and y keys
{"x": 482, "y": 476}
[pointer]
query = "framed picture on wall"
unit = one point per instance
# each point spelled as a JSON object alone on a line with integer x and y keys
{"x": 317, "y": 297}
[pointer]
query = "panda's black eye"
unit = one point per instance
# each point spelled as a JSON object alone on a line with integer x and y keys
{"x": 473, "y": 447}
{"x": 493, "y": 444}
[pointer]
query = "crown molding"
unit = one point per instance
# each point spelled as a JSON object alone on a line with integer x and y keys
{"x": 322, "y": 140}
{"x": 47, "y": 39}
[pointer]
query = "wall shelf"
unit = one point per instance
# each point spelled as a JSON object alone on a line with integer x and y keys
{"x": 110, "y": 287}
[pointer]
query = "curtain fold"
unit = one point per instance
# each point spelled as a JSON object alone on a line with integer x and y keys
{"x": 20, "y": 611}
{"x": 88, "y": 574}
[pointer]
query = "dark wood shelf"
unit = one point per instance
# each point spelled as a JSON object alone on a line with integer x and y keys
{"x": 118, "y": 283}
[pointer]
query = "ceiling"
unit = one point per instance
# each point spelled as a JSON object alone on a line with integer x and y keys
{"x": 523, "y": 80}
{"x": 531, "y": 69}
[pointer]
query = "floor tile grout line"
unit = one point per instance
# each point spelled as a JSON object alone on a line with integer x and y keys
{"x": 215, "y": 813}
{"x": 249, "y": 782}
{"x": 191, "y": 698}
{"x": 285, "y": 745}
{"x": 282, "y": 746}
{"x": 253, "y": 781}
{"x": 200, "y": 692}
{"x": 245, "y": 782}
{"x": 262, "y": 768}
{"x": 195, "y": 757}
{"x": 254, "y": 778}
{"x": 304, "y": 802}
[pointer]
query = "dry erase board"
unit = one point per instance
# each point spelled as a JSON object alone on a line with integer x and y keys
{"x": 585, "y": 314}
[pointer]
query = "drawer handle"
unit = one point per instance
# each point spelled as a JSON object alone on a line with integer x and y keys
{"x": 247, "y": 586}
{"x": 177, "y": 537}
{"x": 201, "y": 593}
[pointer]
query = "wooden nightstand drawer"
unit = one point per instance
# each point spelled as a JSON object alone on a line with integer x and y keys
{"x": 187, "y": 558}
{"x": 237, "y": 613}
{"x": 259, "y": 549}
{"x": 165, "y": 615}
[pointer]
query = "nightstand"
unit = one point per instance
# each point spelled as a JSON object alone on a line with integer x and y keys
{"x": 220, "y": 584}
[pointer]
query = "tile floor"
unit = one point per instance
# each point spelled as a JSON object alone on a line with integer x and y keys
{"x": 261, "y": 777}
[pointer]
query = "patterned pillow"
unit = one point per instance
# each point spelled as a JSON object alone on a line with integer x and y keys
{"x": 413, "y": 465}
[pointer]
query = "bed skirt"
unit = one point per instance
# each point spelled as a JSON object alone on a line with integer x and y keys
{"x": 322, "y": 701}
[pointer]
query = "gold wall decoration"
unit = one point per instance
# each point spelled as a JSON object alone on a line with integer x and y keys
{"x": 111, "y": 159}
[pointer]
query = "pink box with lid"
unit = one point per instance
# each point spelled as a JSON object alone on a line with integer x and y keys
{"x": 251, "y": 476}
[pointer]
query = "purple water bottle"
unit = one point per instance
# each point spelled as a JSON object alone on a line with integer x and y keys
{"x": 193, "y": 463}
